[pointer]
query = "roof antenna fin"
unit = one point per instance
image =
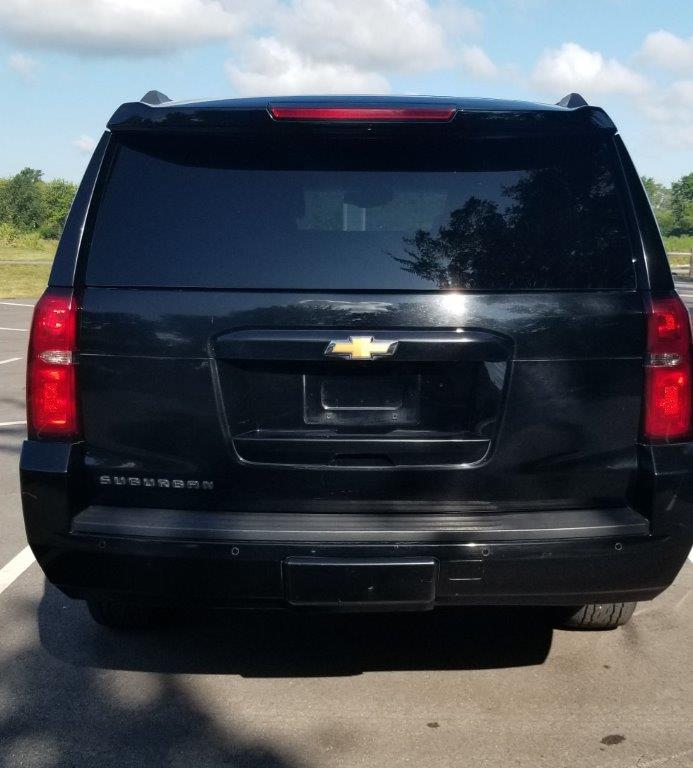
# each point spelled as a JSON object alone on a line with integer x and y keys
{"x": 154, "y": 97}
{"x": 572, "y": 100}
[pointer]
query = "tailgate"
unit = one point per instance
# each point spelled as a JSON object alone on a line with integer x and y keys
{"x": 485, "y": 420}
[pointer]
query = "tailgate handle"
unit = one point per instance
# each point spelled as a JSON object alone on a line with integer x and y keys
{"x": 412, "y": 346}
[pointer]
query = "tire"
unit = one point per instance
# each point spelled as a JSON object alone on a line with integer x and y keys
{"x": 116, "y": 614}
{"x": 596, "y": 616}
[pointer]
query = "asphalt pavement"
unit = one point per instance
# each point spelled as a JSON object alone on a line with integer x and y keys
{"x": 460, "y": 688}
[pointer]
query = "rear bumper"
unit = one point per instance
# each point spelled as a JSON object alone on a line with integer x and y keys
{"x": 224, "y": 559}
{"x": 228, "y": 559}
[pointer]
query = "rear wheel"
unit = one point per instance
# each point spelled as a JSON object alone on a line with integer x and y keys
{"x": 596, "y": 616}
{"x": 117, "y": 614}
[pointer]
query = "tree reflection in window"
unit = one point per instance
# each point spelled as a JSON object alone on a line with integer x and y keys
{"x": 550, "y": 231}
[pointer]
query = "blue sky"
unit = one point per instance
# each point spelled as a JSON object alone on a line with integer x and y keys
{"x": 66, "y": 64}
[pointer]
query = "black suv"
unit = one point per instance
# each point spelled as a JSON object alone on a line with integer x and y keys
{"x": 360, "y": 353}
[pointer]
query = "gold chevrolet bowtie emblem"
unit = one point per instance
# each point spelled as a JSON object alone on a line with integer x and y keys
{"x": 361, "y": 348}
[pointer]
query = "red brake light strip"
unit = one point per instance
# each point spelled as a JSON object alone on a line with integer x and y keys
{"x": 367, "y": 114}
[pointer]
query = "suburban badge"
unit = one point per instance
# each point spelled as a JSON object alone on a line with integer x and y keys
{"x": 157, "y": 482}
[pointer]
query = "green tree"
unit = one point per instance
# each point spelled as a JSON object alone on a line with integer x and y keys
{"x": 57, "y": 199}
{"x": 682, "y": 205}
{"x": 22, "y": 200}
{"x": 665, "y": 219}
{"x": 659, "y": 194}
{"x": 3, "y": 200}
{"x": 660, "y": 199}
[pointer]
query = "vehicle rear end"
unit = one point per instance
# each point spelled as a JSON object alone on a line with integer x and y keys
{"x": 360, "y": 354}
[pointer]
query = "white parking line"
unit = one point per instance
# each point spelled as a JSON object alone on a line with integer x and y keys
{"x": 11, "y": 423}
{"x": 15, "y": 568}
{"x": 10, "y": 360}
{"x": 13, "y": 304}
{"x": 21, "y": 330}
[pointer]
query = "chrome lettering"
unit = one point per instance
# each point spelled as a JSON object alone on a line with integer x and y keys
{"x": 161, "y": 482}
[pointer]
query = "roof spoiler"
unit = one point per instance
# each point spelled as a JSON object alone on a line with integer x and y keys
{"x": 571, "y": 101}
{"x": 154, "y": 97}
{"x": 155, "y": 111}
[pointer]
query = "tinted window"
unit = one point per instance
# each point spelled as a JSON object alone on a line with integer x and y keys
{"x": 345, "y": 214}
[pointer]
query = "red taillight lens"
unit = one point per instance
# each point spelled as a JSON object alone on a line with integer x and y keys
{"x": 668, "y": 382}
{"x": 668, "y": 327}
{"x": 51, "y": 395}
{"x": 408, "y": 114}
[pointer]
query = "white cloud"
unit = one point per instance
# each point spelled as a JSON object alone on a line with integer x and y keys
{"x": 334, "y": 46}
{"x": 476, "y": 61}
{"x": 270, "y": 67}
{"x": 668, "y": 110}
{"x": 84, "y": 144}
{"x": 280, "y": 46}
{"x": 669, "y": 51}
{"x": 389, "y": 35}
{"x": 458, "y": 19}
{"x": 670, "y": 113}
{"x": 107, "y": 27}
{"x": 573, "y": 68}
{"x": 23, "y": 65}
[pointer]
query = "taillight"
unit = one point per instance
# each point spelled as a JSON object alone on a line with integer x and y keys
{"x": 51, "y": 395}
{"x": 668, "y": 393}
{"x": 369, "y": 114}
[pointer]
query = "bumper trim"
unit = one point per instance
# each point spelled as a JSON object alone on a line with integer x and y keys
{"x": 348, "y": 528}
{"x": 224, "y": 574}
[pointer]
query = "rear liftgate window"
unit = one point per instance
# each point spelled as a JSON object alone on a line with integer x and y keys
{"x": 374, "y": 214}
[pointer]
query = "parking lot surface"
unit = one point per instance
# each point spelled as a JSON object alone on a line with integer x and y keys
{"x": 461, "y": 688}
